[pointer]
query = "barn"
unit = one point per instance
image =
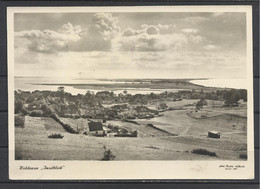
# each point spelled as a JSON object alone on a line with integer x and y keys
{"x": 96, "y": 129}
{"x": 213, "y": 134}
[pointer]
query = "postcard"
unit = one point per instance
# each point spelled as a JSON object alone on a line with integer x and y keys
{"x": 148, "y": 92}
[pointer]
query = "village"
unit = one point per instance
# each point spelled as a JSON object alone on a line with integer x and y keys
{"x": 107, "y": 115}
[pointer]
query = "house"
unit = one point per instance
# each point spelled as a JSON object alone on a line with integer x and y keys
{"x": 162, "y": 106}
{"x": 213, "y": 134}
{"x": 34, "y": 106}
{"x": 143, "y": 112}
{"x": 107, "y": 102}
{"x": 96, "y": 129}
{"x": 204, "y": 102}
{"x": 177, "y": 99}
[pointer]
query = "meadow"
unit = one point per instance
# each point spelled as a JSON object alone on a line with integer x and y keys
{"x": 32, "y": 142}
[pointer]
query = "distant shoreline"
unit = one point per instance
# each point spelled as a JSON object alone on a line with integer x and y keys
{"x": 136, "y": 86}
{"x": 161, "y": 84}
{"x": 115, "y": 79}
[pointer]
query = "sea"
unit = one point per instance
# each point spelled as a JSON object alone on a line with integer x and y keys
{"x": 37, "y": 83}
{"x": 223, "y": 83}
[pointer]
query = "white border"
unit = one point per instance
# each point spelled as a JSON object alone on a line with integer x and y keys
{"x": 94, "y": 170}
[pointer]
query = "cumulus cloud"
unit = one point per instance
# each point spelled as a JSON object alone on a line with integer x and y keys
{"x": 48, "y": 41}
{"x": 150, "y": 30}
{"x": 166, "y": 28}
{"x": 130, "y": 32}
{"x": 210, "y": 47}
{"x": 98, "y": 36}
{"x": 103, "y": 34}
{"x": 146, "y": 42}
{"x": 105, "y": 24}
{"x": 197, "y": 39}
{"x": 152, "y": 38}
{"x": 190, "y": 30}
{"x": 162, "y": 38}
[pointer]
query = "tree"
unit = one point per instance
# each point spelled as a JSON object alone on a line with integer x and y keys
{"x": 30, "y": 99}
{"x": 18, "y": 106}
{"x": 200, "y": 104}
{"x": 61, "y": 93}
{"x": 231, "y": 97}
{"x": 162, "y": 106}
{"x": 243, "y": 94}
{"x": 108, "y": 155}
{"x": 152, "y": 95}
{"x": 46, "y": 110}
{"x": 61, "y": 89}
{"x": 19, "y": 121}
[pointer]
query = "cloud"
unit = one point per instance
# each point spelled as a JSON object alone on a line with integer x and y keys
{"x": 161, "y": 38}
{"x": 166, "y": 28}
{"x": 210, "y": 47}
{"x": 105, "y": 24}
{"x": 197, "y": 39}
{"x": 104, "y": 34}
{"x": 130, "y": 32}
{"x": 146, "y": 42}
{"x": 150, "y": 30}
{"x": 98, "y": 36}
{"x": 190, "y": 30}
{"x": 152, "y": 38}
{"x": 48, "y": 41}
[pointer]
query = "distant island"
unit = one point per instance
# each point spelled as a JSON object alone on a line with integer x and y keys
{"x": 137, "y": 83}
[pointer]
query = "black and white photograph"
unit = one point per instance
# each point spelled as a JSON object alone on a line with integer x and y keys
{"x": 130, "y": 85}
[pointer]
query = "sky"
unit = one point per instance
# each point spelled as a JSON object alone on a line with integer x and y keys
{"x": 131, "y": 45}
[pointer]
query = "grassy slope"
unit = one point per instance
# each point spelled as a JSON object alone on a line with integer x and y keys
{"x": 32, "y": 142}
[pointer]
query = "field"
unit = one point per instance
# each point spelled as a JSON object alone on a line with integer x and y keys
{"x": 191, "y": 128}
{"x": 77, "y": 124}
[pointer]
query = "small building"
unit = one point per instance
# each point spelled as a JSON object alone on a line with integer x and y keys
{"x": 204, "y": 103}
{"x": 96, "y": 129}
{"x": 177, "y": 99}
{"x": 213, "y": 134}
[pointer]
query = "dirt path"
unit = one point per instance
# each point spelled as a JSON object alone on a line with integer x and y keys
{"x": 185, "y": 131}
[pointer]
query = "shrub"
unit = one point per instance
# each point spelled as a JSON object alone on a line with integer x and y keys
{"x": 25, "y": 111}
{"x": 36, "y": 113}
{"x": 30, "y": 99}
{"x": 131, "y": 121}
{"x": 76, "y": 117}
{"x": 55, "y": 135}
{"x": 108, "y": 155}
{"x": 130, "y": 117}
{"x": 243, "y": 156}
{"x": 134, "y": 133}
{"x": 67, "y": 127}
{"x": 46, "y": 110}
{"x": 203, "y": 152}
{"x": 19, "y": 121}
